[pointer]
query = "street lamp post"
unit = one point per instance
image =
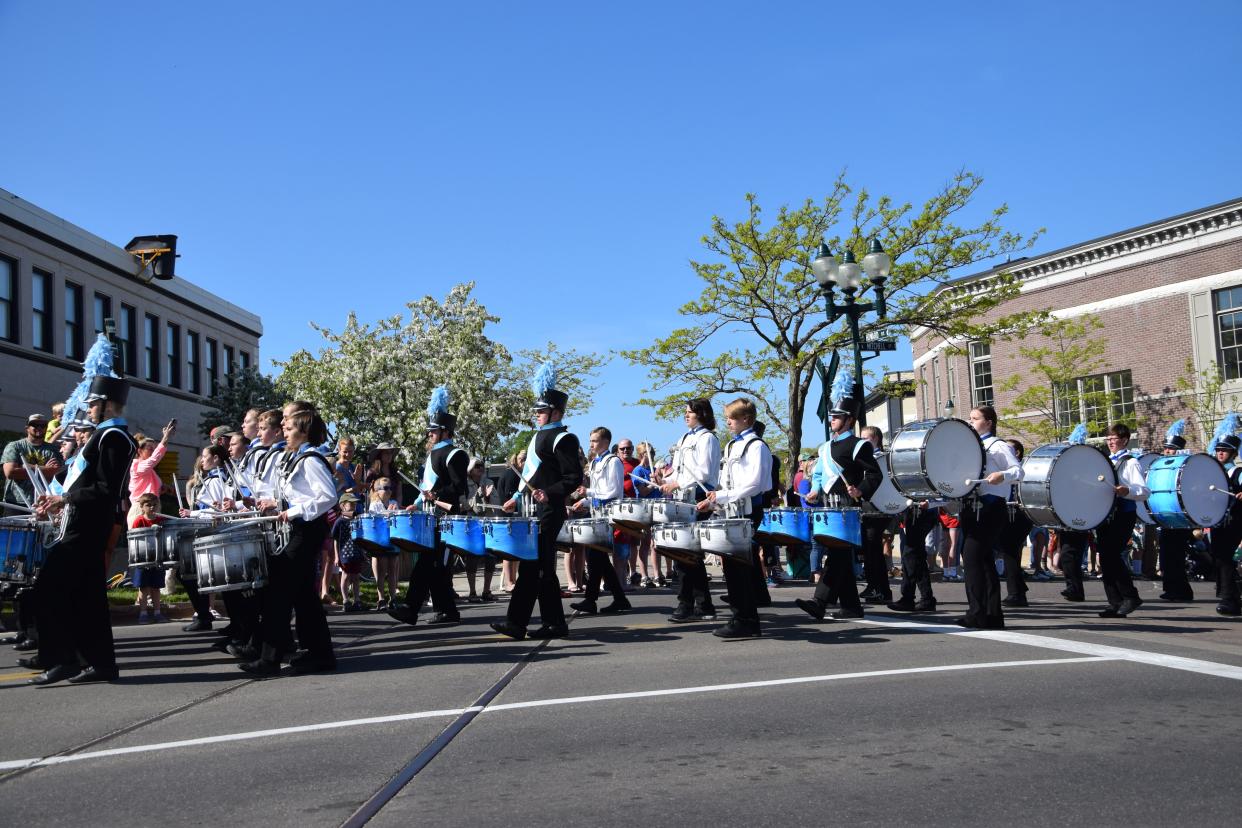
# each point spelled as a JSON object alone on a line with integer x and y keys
{"x": 848, "y": 276}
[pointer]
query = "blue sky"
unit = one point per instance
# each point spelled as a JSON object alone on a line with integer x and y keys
{"x": 569, "y": 156}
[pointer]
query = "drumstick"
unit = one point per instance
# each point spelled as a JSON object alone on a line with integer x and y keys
{"x": 16, "y": 508}
{"x": 177, "y": 490}
{"x": 1219, "y": 490}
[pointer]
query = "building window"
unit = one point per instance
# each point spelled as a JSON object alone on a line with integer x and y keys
{"x": 981, "y": 373}
{"x": 8, "y": 299}
{"x": 935, "y": 387}
{"x": 1228, "y": 306}
{"x": 41, "y": 310}
{"x": 150, "y": 349}
{"x": 191, "y": 362}
{"x": 129, "y": 355}
{"x": 103, "y": 311}
{"x": 213, "y": 376}
{"x": 924, "y": 391}
{"x": 1097, "y": 401}
{"x": 245, "y": 361}
{"x": 73, "y": 320}
{"x": 172, "y": 350}
{"x": 229, "y": 366}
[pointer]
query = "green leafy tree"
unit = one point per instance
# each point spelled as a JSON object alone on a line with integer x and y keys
{"x": 1203, "y": 393}
{"x": 245, "y": 389}
{"x": 759, "y": 323}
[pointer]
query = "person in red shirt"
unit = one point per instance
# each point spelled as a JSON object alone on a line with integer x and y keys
{"x": 148, "y": 581}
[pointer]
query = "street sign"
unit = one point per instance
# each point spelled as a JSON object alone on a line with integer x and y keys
{"x": 878, "y": 345}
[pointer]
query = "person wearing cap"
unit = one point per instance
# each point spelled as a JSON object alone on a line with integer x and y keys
{"x": 847, "y": 473}
{"x": 1113, "y": 535}
{"x": 31, "y": 449}
{"x": 348, "y": 556}
{"x": 72, "y": 603}
{"x": 552, "y": 471}
{"x": 1174, "y": 544}
{"x": 219, "y": 436}
{"x": 1226, "y": 536}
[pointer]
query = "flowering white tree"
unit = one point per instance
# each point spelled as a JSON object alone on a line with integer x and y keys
{"x": 373, "y": 382}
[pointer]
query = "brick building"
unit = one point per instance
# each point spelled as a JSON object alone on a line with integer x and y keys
{"x": 1167, "y": 293}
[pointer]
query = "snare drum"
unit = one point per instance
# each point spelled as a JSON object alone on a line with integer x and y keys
{"x": 232, "y": 560}
{"x": 786, "y": 526}
{"x": 631, "y": 513}
{"x": 1145, "y": 460}
{"x": 1188, "y": 491}
{"x": 512, "y": 538}
{"x": 370, "y": 531}
{"x": 886, "y": 500}
{"x": 21, "y": 549}
{"x": 730, "y": 538}
{"x": 933, "y": 459}
{"x": 595, "y": 533}
{"x": 1061, "y": 486}
{"x": 463, "y": 533}
{"x": 146, "y": 547}
{"x": 179, "y": 536}
{"x": 678, "y": 541}
{"x": 564, "y": 538}
{"x": 413, "y": 531}
{"x": 672, "y": 511}
{"x": 837, "y": 527}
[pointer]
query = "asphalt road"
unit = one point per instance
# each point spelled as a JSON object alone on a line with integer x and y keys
{"x": 1061, "y": 717}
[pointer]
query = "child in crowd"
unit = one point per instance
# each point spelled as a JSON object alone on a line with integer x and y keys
{"x": 384, "y": 564}
{"x": 148, "y": 581}
{"x": 348, "y": 556}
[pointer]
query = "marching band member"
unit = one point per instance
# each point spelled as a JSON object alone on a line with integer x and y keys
{"x": 1114, "y": 534}
{"x": 919, "y": 519}
{"x": 846, "y": 469}
{"x": 983, "y": 521}
{"x": 308, "y": 491}
{"x": 444, "y": 485}
{"x": 607, "y": 479}
{"x": 1174, "y": 544}
{"x": 72, "y": 613}
{"x": 1073, "y": 544}
{"x": 747, "y": 478}
{"x": 1226, "y": 536}
{"x": 875, "y": 568}
{"x": 1013, "y": 538}
{"x": 696, "y": 473}
{"x": 551, "y": 473}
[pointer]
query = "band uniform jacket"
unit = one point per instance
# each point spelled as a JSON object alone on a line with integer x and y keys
{"x": 559, "y": 472}
{"x": 94, "y": 495}
{"x": 856, "y": 457}
{"x": 450, "y": 465}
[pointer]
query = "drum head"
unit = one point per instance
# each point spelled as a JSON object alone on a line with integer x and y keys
{"x": 1204, "y": 505}
{"x": 953, "y": 455}
{"x": 1145, "y": 460}
{"x": 1080, "y": 499}
{"x": 886, "y": 499}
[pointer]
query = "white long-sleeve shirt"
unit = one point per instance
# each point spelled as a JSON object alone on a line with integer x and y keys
{"x": 999, "y": 456}
{"x": 1130, "y": 474}
{"x": 213, "y": 490}
{"x": 607, "y": 478}
{"x": 747, "y": 470}
{"x": 306, "y": 483}
{"x": 698, "y": 459}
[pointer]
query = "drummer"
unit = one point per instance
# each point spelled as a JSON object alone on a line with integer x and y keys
{"x": 846, "y": 472}
{"x": 606, "y": 478}
{"x": 1226, "y": 536}
{"x": 1114, "y": 534}
{"x": 874, "y": 524}
{"x": 696, "y": 472}
{"x": 1174, "y": 544}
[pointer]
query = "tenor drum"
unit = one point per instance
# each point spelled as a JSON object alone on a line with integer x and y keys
{"x": 1145, "y": 460}
{"x": 512, "y": 538}
{"x": 463, "y": 533}
{"x": 631, "y": 512}
{"x": 564, "y": 538}
{"x": 785, "y": 526}
{"x": 678, "y": 541}
{"x": 413, "y": 531}
{"x": 370, "y": 531}
{"x": 886, "y": 500}
{"x": 593, "y": 532}
{"x": 146, "y": 547}
{"x": 1188, "y": 491}
{"x": 1067, "y": 487}
{"x": 933, "y": 459}
{"x": 232, "y": 560}
{"x": 672, "y": 511}
{"x": 837, "y": 527}
{"x": 179, "y": 536}
{"x": 730, "y": 538}
{"x": 21, "y": 550}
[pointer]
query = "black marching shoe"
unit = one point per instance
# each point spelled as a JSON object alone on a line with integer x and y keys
{"x": 1110, "y": 612}
{"x": 1128, "y": 606}
{"x": 17, "y": 638}
{"x": 90, "y": 674}
{"x": 869, "y": 594}
{"x": 54, "y": 674}
{"x": 243, "y": 652}
{"x": 548, "y": 631}
{"x": 845, "y": 614}
{"x": 266, "y": 666}
{"x": 30, "y": 663}
{"x": 197, "y": 625}
{"x": 444, "y": 619}
{"x": 737, "y": 630}
{"x": 403, "y": 613}
{"x": 968, "y": 622}
{"x": 705, "y": 612}
{"x": 1180, "y": 599}
{"x": 512, "y": 630}
{"x": 811, "y": 608}
{"x": 26, "y": 645}
{"x": 683, "y": 614}
{"x": 1015, "y": 601}
{"x": 903, "y": 605}
{"x": 925, "y": 606}
{"x": 877, "y": 598}
{"x": 1070, "y": 595}
{"x": 312, "y": 663}
{"x": 1231, "y": 610}
{"x": 618, "y": 605}
{"x": 585, "y": 607}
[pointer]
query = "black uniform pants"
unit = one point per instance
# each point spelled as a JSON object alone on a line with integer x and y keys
{"x": 599, "y": 568}
{"x": 1174, "y": 545}
{"x": 837, "y": 582}
{"x": 915, "y": 573}
{"x": 692, "y": 592}
{"x": 740, "y": 574}
{"x": 875, "y": 570}
{"x": 1072, "y": 546}
{"x": 71, "y": 604}
{"x": 432, "y": 575}
{"x": 244, "y": 608}
{"x": 293, "y": 585}
{"x": 537, "y": 579}
{"x": 1013, "y": 538}
{"x": 197, "y": 599}
{"x": 1225, "y": 540}
{"x": 1113, "y": 535}
{"x": 982, "y": 529}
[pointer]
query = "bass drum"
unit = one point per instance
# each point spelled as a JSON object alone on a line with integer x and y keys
{"x": 933, "y": 459}
{"x": 1145, "y": 460}
{"x": 1067, "y": 487}
{"x": 1188, "y": 491}
{"x": 886, "y": 500}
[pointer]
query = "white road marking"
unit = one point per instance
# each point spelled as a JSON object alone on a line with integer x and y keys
{"x": 16, "y": 764}
{"x": 1193, "y": 665}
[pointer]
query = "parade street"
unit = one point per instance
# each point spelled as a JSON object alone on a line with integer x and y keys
{"x": 635, "y": 721}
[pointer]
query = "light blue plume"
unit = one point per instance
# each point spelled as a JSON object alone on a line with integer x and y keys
{"x": 439, "y": 403}
{"x": 1175, "y": 430}
{"x": 545, "y": 380}
{"x": 1078, "y": 436}
{"x": 1228, "y": 425}
{"x": 842, "y": 385}
{"x": 98, "y": 358}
